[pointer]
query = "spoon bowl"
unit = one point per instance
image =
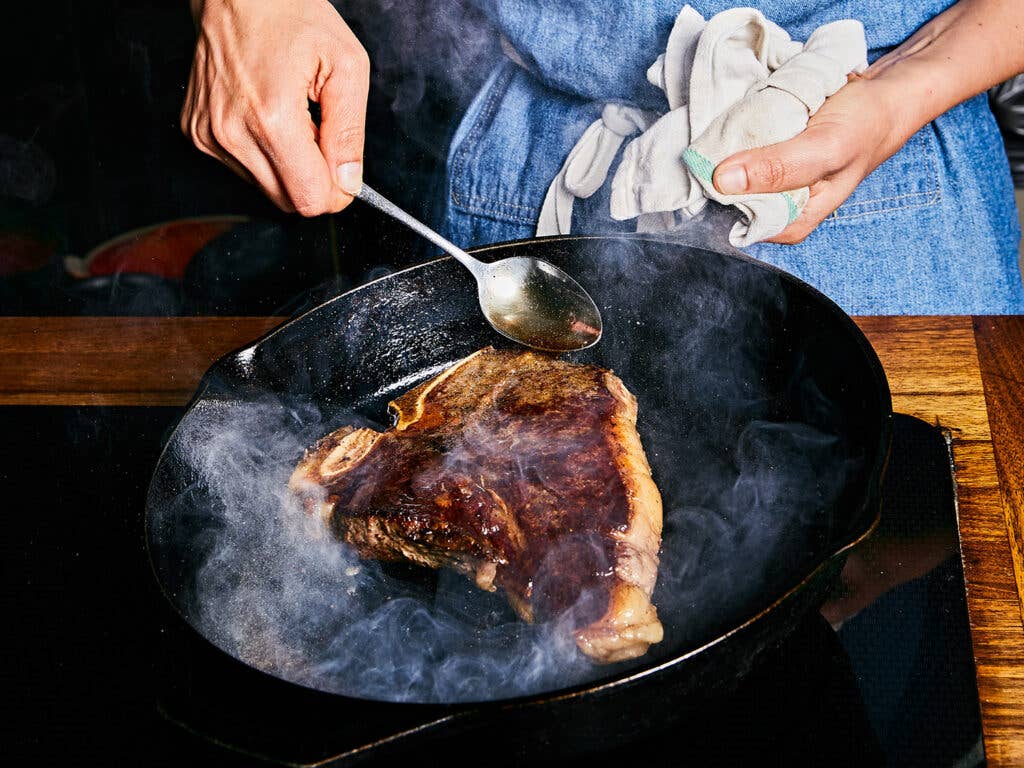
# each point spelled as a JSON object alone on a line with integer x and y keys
{"x": 524, "y": 299}
{"x": 536, "y": 304}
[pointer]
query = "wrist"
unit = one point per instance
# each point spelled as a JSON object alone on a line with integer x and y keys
{"x": 963, "y": 51}
{"x": 903, "y": 110}
{"x": 914, "y": 80}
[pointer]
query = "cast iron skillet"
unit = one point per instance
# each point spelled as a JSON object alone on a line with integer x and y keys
{"x": 764, "y": 412}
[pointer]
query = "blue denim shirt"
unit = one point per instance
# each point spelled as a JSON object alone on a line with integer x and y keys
{"x": 932, "y": 231}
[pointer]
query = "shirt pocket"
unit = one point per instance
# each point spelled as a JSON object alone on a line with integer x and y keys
{"x": 511, "y": 144}
{"x": 908, "y": 179}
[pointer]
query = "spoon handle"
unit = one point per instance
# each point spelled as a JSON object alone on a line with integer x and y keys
{"x": 369, "y": 195}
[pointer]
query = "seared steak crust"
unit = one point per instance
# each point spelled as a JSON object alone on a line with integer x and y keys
{"x": 524, "y": 472}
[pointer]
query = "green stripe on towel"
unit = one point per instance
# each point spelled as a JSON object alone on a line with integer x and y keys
{"x": 704, "y": 170}
{"x": 791, "y": 203}
{"x": 700, "y": 165}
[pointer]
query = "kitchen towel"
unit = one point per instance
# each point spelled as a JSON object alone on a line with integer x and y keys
{"x": 732, "y": 83}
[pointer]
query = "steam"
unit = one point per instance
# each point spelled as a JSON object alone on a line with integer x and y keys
{"x": 279, "y": 592}
{"x": 746, "y": 497}
{"x": 746, "y": 493}
{"x": 429, "y": 56}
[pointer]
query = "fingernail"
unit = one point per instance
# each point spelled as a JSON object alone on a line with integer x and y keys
{"x": 350, "y": 177}
{"x": 732, "y": 180}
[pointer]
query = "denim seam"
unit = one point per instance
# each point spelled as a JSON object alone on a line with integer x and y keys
{"x": 486, "y": 113}
{"x": 933, "y": 195}
{"x": 935, "y": 198}
{"x": 927, "y": 193}
{"x": 476, "y": 204}
{"x": 488, "y": 201}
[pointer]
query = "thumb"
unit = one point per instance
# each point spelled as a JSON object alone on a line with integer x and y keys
{"x": 800, "y": 162}
{"x": 343, "y": 123}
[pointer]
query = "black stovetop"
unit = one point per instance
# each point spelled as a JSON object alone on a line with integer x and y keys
{"x": 99, "y": 670}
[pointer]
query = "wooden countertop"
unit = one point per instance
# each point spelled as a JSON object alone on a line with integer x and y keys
{"x": 964, "y": 373}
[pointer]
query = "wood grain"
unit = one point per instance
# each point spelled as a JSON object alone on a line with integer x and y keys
{"x": 114, "y": 361}
{"x": 1000, "y": 343}
{"x": 934, "y": 373}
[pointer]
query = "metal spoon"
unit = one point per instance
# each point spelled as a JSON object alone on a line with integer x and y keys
{"x": 524, "y": 299}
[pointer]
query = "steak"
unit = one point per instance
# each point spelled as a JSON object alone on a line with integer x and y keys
{"x": 521, "y": 471}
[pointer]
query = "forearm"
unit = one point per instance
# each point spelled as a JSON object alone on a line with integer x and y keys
{"x": 970, "y": 47}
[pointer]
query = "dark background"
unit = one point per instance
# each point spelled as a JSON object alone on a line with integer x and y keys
{"x": 90, "y": 148}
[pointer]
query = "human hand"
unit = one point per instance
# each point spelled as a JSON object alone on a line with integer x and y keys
{"x": 257, "y": 64}
{"x": 853, "y": 132}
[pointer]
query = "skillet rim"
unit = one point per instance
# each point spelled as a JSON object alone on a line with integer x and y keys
{"x": 871, "y": 495}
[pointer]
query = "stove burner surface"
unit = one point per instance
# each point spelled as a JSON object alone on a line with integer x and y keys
{"x": 103, "y": 670}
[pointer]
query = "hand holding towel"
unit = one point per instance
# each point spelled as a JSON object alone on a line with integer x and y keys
{"x": 732, "y": 83}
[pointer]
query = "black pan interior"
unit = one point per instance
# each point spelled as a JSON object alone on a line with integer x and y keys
{"x": 763, "y": 411}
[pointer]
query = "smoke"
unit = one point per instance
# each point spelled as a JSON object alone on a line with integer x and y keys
{"x": 743, "y": 445}
{"x": 429, "y": 58}
{"x": 279, "y": 592}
